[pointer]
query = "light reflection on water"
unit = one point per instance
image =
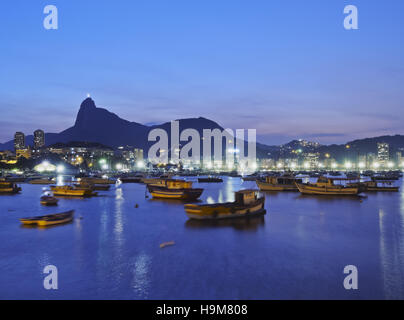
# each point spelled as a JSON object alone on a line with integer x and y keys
{"x": 298, "y": 250}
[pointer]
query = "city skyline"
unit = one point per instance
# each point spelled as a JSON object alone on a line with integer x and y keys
{"x": 38, "y": 135}
{"x": 240, "y": 65}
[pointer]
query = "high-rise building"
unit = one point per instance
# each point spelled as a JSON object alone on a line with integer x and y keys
{"x": 383, "y": 153}
{"x": 39, "y": 139}
{"x": 19, "y": 141}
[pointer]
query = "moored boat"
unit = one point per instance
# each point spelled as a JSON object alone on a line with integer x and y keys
{"x": 50, "y": 219}
{"x": 48, "y": 200}
{"x": 9, "y": 188}
{"x": 72, "y": 191}
{"x": 281, "y": 183}
{"x": 326, "y": 186}
{"x": 175, "y": 189}
{"x": 247, "y": 203}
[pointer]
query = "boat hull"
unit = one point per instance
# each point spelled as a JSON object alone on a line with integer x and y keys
{"x": 264, "y": 186}
{"x": 178, "y": 194}
{"x": 70, "y": 192}
{"x": 48, "y": 220}
{"x": 224, "y": 211}
{"x": 334, "y": 191}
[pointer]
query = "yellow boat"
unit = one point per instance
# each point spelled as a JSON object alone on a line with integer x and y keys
{"x": 50, "y": 219}
{"x": 72, "y": 192}
{"x": 9, "y": 188}
{"x": 326, "y": 186}
{"x": 175, "y": 189}
{"x": 281, "y": 183}
{"x": 248, "y": 203}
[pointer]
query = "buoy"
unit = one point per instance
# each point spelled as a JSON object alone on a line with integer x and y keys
{"x": 136, "y": 205}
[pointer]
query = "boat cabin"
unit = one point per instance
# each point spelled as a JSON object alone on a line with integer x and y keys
{"x": 324, "y": 182}
{"x": 246, "y": 197}
{"x": 177, "y": 184}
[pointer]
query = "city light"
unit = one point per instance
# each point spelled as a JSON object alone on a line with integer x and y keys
{"x": 104, "y": 167}
{"x": 307, "y": 165}
{"x": 348, "y": 165}
{"x": 362, "y": 165}
{"x": 390, "y": 164}
{"x": 119, "y": 166}
{"x": 45, "y": 166}
{"x": 60, "y": 168}
{"x": 334, "y": 165}
{"x": 231, "y": 150}
{"x": 376, "y": 165}
{"x": 140, "y": 164}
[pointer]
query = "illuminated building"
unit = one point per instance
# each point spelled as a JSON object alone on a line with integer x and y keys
{"x": 383, "y": 153}
{"x": 39, "y": 139}
{"x": 19, "y": 140}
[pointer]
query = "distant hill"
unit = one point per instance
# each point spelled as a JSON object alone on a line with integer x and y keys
{"x": 97, "y": 125}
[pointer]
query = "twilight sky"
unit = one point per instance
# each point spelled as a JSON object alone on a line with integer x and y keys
{"x": 285, "y": 67}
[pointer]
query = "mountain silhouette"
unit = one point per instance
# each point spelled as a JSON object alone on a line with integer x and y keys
{"x": 99, "y": 125}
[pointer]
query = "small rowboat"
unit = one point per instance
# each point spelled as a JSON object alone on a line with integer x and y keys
{"x": 50, "y": 219}
{"x": 49, "y": 201}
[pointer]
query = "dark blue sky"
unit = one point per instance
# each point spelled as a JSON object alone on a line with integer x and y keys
{"x": 287, "y": 68}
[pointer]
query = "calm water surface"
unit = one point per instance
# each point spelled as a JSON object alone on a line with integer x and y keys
{"x": 297, "y": 251}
